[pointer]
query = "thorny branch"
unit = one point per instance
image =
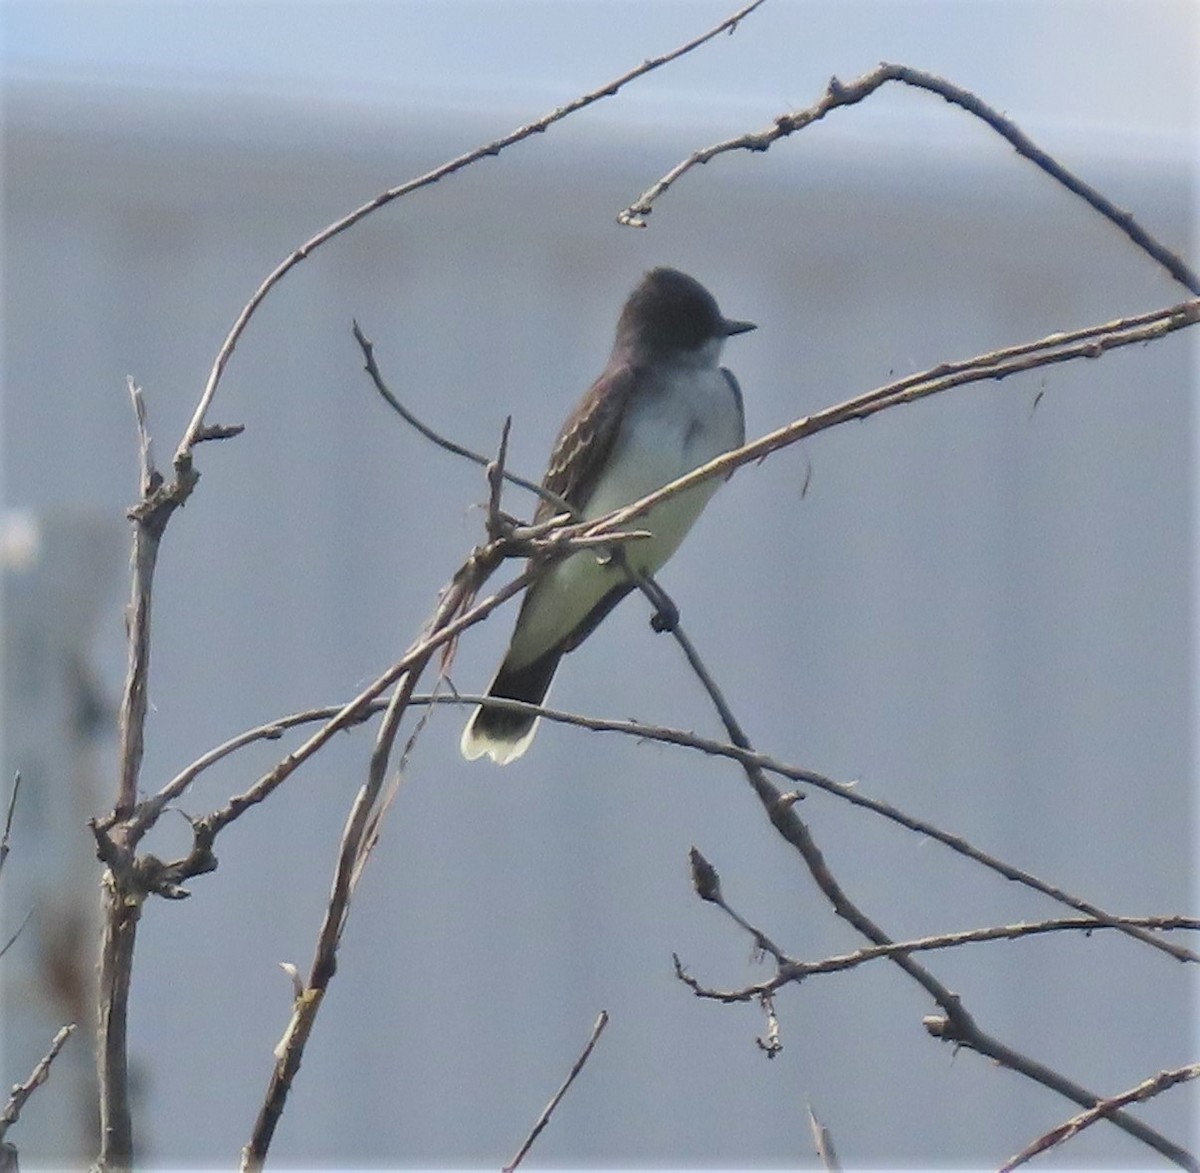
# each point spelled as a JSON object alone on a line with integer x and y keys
{"x": 1091, "y": 342}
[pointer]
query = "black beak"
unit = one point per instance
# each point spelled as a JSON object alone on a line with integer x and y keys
{"x": 734, "y": 327}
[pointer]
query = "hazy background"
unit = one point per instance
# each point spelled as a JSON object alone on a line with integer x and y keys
{"x": 981, "y": 608}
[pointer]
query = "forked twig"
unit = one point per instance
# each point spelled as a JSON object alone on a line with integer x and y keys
{"x": 955, "y": 1024}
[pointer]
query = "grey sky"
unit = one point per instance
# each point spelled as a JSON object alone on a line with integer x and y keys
{"x": 1107, "y": 65}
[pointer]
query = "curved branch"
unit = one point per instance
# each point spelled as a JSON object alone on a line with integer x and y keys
{"x": 1091, "y": 342}
{"x": 195, "y": 429}
{"x": 272, "y": 730}
{"x": 839, "y": 94}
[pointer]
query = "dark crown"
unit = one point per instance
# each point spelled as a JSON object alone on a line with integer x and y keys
{"x": 669, "y": 310}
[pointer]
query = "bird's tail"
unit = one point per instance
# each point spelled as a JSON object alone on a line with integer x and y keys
{"x": 504, "y": 734}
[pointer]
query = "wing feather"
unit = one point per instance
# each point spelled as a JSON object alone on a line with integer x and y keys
{"x": 586, "y": 439}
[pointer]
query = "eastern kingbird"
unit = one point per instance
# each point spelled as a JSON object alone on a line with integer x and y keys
{"x": 662, "y": 407}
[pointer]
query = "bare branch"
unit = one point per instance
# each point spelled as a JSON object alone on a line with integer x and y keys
{"x": 856, "y": 797}
{"x": 838, "y": 95}
{"x": 358, "y": 709}
{"x": 1097, "y": 917}
{"x": 358, "y": 840}
{"x": 1091, "y": 342}
{"x": 548, "y": 1110}
{"x": 955, "y": 1024}
{"x": 444, "y": 442}
{"x": 22, "y": 1091}
{"x": 608, "y": 90}
{"x": 1145, "y": 1090}
{"x": 823, "y": 1143}
{"x": 496, "y": 525}
{"x": 792, "y": 970}
{"x": 477, "y": 568}
{"x": 8, "y": 818}
{"x": 12, "y": 940}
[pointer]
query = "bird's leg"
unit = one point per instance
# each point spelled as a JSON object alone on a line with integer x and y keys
{"x": 666, "y": 614}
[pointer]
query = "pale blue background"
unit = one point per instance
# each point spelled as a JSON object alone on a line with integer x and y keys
{"x": 982, "y": 608}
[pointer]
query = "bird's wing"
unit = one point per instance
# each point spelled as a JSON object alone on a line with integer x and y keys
{"x": 586, "y": 439}
{"x": 741, "y": 407}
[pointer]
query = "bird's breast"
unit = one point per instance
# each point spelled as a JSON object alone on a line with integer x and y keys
{"x": 676, "y": 426}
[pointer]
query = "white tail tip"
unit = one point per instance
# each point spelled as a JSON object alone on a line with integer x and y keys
{"x": 478, "y": 743}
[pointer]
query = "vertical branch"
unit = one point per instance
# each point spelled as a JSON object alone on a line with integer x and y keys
{"x": 358, "y": 839}
{"x": 148, "y": 526}
{"x": 112, "y": 1058}
{"x": 122, "y": 893}
{"x": 134, "y": 698}
{"x": 349, "y": 867}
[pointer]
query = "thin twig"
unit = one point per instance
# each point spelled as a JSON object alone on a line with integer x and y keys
{"x": 839, "y": 94}
{"x": 8, "y": 818}
{"x": 436, "y": 438}
{"x": 495, "y": 469}
{"x": 1145, "y": 1090}
{"x": 375, "y": 823}
{"x": 823, "y": 1143}
{"x": 22, "y": 1091}
{"x": 956, "y": 1024}
{"x": 850, "y": 793}
{"x": 205, "y": 829}
{"x": 792, "y": 970}
{"x": 707, "y": 883}
{"x": 995, "y": 365}
{"x": 1097, "y": 917}
{"x": 19, "y": 930}
{"x": 608, "y": 90}
{"x": 548, "y": 1110}
{"x": 358, "y": 840}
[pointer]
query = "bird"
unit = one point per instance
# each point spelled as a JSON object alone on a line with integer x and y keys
{"x": 662, "y": 406}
